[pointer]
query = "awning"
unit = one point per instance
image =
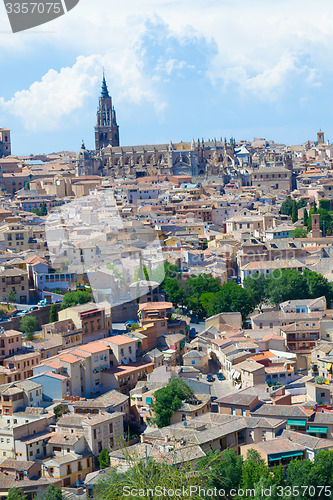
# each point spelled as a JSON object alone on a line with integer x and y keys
{"x": 317, "y": 430}
{"x": 296, "y": 423}
{"x": 291, "y": 454}
{"x": 280, "y": 456}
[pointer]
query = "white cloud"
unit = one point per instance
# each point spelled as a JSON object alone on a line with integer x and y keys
{"x": 261, "y": 47}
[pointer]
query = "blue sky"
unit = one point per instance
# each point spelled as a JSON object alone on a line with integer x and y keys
{"x": 176, "y": 70}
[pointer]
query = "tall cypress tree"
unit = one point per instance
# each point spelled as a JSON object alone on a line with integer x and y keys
{"x": 305, "y": 217}
{"x": 294, "y": 213}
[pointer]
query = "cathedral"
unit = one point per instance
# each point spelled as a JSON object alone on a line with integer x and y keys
{"x": 196, "y": 159}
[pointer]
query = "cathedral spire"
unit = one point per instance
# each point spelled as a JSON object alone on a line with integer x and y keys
{"x": 105, "y": 91}
{"x": 106, "y": 130}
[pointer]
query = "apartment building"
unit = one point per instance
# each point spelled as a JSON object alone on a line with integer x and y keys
{"x": 10, "y": 343}
{"x": 301, "y": 337}
{"x": 94, "y": 321}
{"x": 102, "y": 430}
{"x": 18, "y": 367}
{"x": 63, "y": 332}
{"x": 16, "y": 280}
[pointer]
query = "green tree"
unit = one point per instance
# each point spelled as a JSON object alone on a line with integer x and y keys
{"x": 74, "y": 298}
{"x": 301, "y": 203}
{"x": 305, "y": 217}
{"x": 294, "y": 213}
{"x": 287, "y": 207}
{"x": 51, "y": 493}
{"x": 254, "y": 469}
{"x": 146, "y": 475}
{"x": 16, "y": 494}
{"x": 11, "y": 297}
{"x": 286, "y": 284}
{"x": 43, "y": 209}
{"x": 321, "y": 472}
{"x": 104, "y": 459}
{"x": 299, "y": 233}
{"x": 174, "y": 291}
{"x": 225, "y": 469}
{"x": 53, "y": 314}
{"x": 28, "y": 326}
{"x": 299, "y": 474}
{"x": 58, "y": 411}
{"x": 317, "y": 285}
{"x": 168, "y": 400}
{"x": 256, "y": 286}
{"x": 325, "y": 204}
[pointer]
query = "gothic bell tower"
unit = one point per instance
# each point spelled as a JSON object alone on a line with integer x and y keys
{"x": 106, "y": 130}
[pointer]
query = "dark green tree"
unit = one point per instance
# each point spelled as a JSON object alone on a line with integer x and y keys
{"x": 43, "y": 209}
{"x": 287, "y": 207}
{"x": 294, "y": 213}
{"x": 256, "y": 286}
{"x": 53, "y": 314}
{"x": 325, "y": 204}
{"x": 305, "y": 217}
{"x": 169, "y": 399}
{"x": 286, "y": 284}
{"x": 104, "y": 459}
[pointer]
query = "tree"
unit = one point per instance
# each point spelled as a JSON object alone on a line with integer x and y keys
{"x": 51, "y": 493}
{"x": 225, "y": 469}
{"x": 254, "y": 468}
{"x": 256, "y": 286}
{"x": 286, "y": 207}
{"x": 317, "y": 285}
{"x": 305, "y": 217}
{"x": 294, "y": 213}
{"x": 53, "y": 314}
{"x": 58, "y": 411}
{"x": 16, "y": 494}
{"x": 299, "y": 474}
{"x": 28, "y": 326}
{"x": 74, "y": 298}
{"x": 286, "y": 284}
{"x": 43, "y": 209}
{"x": 299, "y": 233}
{"x": 325, "y": 204}
{"x": 11, "y": 297}
{"x": 104, "y": 459}
{"x": 168, "y": 400}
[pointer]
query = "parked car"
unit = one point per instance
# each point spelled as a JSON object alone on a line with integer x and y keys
{"x": 210, "y": 378}
{"x": 220, "y": 376}
{"x": 34, "y": 308}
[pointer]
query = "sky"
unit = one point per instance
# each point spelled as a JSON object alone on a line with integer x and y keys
{"x": 176, "y": 70}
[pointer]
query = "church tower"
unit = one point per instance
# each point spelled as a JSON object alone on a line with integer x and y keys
{"x": 106, "y": 130}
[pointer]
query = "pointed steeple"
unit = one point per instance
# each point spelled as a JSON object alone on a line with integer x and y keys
{"x": 105, "y": 91}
